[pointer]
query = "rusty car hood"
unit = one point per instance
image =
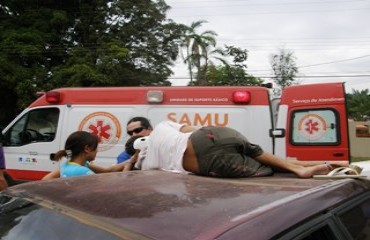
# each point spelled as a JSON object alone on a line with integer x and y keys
{"x": 164, "y": 205}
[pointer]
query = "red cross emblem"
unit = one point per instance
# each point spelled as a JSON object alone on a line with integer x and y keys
{"x": 104, "y": 125}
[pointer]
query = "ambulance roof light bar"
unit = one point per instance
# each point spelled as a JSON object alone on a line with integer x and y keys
{"x": 242, "y": 97}
{"x": 52, "y": 97}
{"x": 154, "y": 96}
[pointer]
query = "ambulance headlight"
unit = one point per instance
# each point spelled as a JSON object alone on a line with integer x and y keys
{"x": 241, "y": 97}
{"x": 154, "y": 96}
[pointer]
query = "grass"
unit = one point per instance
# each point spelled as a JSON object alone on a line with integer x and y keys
{"x": 359, "y": 159}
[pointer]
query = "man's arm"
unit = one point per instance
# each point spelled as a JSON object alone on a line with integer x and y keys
{"x": 3, "y": 183}
{"x": 117, "y": 167}
{"x": 186, "y": 129}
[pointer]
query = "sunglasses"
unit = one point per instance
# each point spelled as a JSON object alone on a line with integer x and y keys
{"x": 136, "y": 130}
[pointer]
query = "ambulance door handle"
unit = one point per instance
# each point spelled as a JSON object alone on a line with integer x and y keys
{"x": 338, "y": 154}
{"x": 278, "y": 132}
{"x": 52, "y": 157}
{"x": 32, "y": 153}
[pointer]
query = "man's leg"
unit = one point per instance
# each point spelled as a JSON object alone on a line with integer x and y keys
{"x": 302, "y": 171}
{"x": 314, "y": 163}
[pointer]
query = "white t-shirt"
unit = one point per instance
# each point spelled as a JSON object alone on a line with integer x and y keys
{"x": 166, "y": 147}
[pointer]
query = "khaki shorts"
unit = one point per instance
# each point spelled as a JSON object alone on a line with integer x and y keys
{"x": 224, "y": 152}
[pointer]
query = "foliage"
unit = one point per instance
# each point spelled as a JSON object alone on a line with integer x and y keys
{"x": 232, "y": 74}
{"x": 284, "y": 67}
{"x": 50, "y": 44}
{"x": 359, "y": 159}
{"x": 201, "y": 55}
{"x": 197, "y": 50}
{"x": 358, "y": 105}
{"x": 239, "y": 55}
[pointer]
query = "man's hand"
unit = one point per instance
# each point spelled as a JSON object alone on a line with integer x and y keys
{"x": 129, "y": 165}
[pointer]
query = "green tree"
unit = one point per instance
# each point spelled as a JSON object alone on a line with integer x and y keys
{"x": 125, "y": 42}
{"x": 358, "y": 105}
{"x": 239, "y": 56}
{"x": 29, "y": 43}
{"x": 50, "y": 44}
{"x": 230, "y": 76}
{"x": 284, "y": 67}
{"x": 198, "y": 47}
{"x": 151, "y": 39}
{"x": 234, "y": 74}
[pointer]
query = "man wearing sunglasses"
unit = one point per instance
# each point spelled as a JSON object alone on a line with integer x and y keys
{"x": 139, "y": 126}
{"x": 136, "y": 126}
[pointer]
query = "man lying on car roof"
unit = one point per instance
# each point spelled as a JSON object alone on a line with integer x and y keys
{"x": 213, "y": 151}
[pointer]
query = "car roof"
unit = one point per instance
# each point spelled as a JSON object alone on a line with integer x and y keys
{"x": 164, "y": 205}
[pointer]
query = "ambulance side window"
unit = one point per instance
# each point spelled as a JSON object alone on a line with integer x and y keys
{"x": 315, "y": 127}
{"x": 39, "y": 125}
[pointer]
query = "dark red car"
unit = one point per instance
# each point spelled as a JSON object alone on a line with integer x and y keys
{"x": 163, "y": 205}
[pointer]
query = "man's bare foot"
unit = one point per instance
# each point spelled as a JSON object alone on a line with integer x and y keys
{"x": 307, "y": 172}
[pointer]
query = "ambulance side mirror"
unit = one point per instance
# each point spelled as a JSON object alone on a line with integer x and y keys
{"x": 52, "y": 157}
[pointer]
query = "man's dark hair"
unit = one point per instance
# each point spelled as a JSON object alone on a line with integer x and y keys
{"x": 144, "y": 122}
{"x": 129, "y": 146}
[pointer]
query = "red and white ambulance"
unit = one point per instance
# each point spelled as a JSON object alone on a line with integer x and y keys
{"x": 308, "y": 123}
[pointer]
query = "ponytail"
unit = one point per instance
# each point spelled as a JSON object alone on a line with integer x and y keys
{"x": 76, "y": 143}
{"x": 60, "y": 154}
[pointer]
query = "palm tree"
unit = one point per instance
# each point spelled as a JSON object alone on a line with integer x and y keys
{"x": 359, "y": 105}
{"x": 198, "y": 47}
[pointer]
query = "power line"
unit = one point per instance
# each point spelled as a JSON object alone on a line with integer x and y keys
{"x": 301, "y": 76}
{"x": 338, "y": 61}
{"x": 315, "y": 11}
{"x": 246, "y": 1}
{"x": 325, "y": 76}
{"x": 318, "y": 64}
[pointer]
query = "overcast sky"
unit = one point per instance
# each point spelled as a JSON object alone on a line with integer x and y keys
{"x": 330, "y": 38}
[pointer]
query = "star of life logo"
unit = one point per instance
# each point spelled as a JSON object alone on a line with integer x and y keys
{"x": 312, "y": 127}
{"x": 104, "y": 125}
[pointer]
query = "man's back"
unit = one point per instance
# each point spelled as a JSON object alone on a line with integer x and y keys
{"x": 166, "y": 147}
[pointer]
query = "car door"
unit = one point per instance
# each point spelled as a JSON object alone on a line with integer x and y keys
{"x": 314, "y": 121}
{"x": 30, "y": 140}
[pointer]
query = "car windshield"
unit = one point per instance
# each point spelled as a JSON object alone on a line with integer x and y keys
{"x": 21, "y": 219}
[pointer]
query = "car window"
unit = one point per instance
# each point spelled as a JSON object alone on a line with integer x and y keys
{"x": 350, "y": 220}
{"x": 39, "y": 125}
{"x": 23, "y": 220}
{"x": 356, "y": 220}
{"x": 324, "y": 232}
{"x": 315, "y": 127}
{"x": 321, "y": 227}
